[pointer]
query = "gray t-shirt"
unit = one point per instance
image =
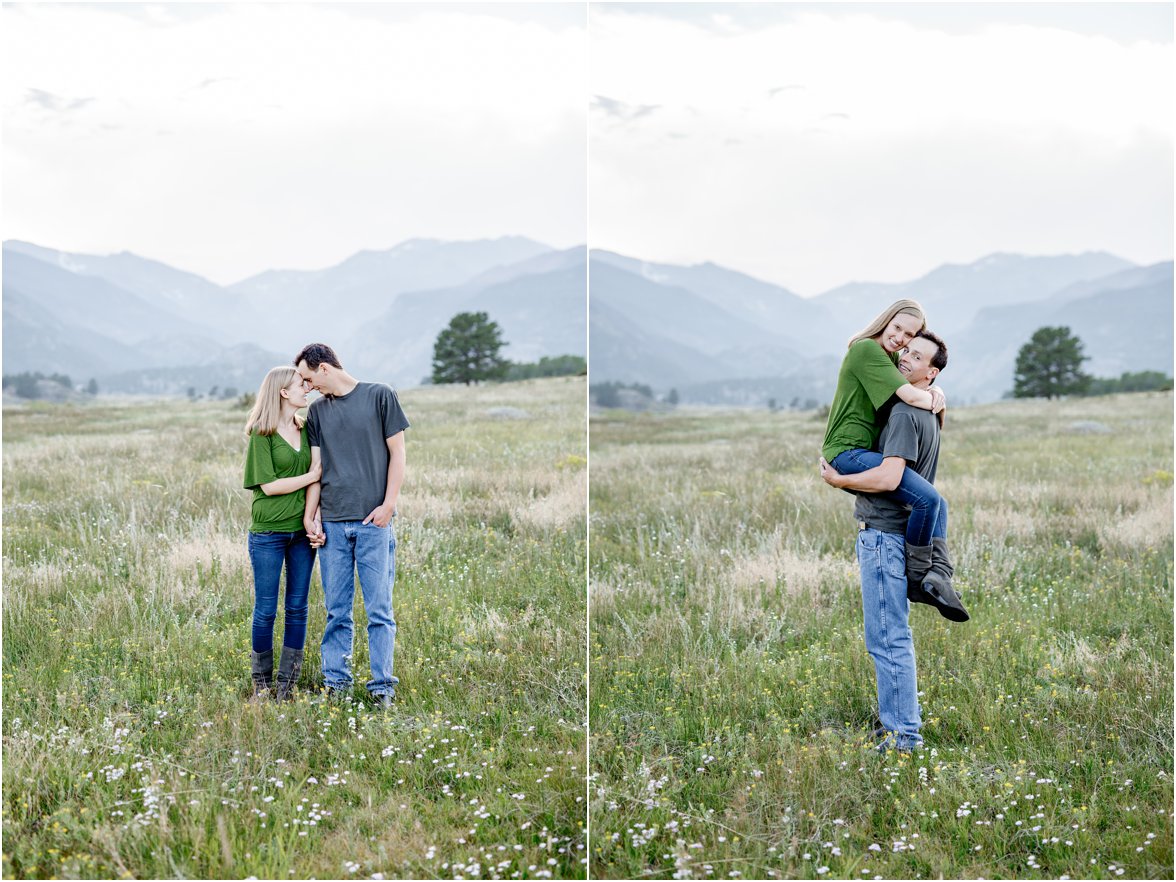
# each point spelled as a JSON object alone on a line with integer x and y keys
{"x": 350, "y": 432}
{"x": 913, "y": 434}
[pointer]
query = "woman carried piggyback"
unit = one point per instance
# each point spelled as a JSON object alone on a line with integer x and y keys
{"x": 278, "y": 471}
{"x": 869, "y": 377}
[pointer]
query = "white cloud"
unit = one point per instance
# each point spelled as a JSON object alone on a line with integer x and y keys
{"x": 235, "y": 138}
{"x": 837, "y": 145}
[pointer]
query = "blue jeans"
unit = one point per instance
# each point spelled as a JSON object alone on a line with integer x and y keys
{"x": 926, "y": 520}
{"x": 353, "y": 546}
{"x": 882, "y": 559}
{"x": 267, "y": 553}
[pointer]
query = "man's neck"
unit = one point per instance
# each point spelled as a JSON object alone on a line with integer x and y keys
{"x": 344, "y": 384}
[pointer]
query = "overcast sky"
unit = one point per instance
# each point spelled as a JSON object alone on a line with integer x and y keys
{"x": 815, "y": 144}
{"x": 231, "y": 139}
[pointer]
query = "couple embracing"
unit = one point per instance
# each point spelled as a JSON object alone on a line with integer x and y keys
{"x": 324, "y": 486}
{"x": 882, "y": 443}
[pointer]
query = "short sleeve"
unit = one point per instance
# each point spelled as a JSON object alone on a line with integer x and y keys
{"x": 259, "y": 462}
{"x": 874, "y": 370}
{"x": 902, "y": 436}
{"x": 391, "y": 413}
{"x": 312, "y": 425}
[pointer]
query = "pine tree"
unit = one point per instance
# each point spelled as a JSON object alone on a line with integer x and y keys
{"x": 1050, "y": 365}
{"x": 467, "y": 350}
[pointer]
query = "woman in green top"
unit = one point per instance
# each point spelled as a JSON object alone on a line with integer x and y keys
{"x": 278, "y": 471}
{"x": 869, "y": 377}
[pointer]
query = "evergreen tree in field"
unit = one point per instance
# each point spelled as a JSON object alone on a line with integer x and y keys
{"x": 1050, "y": 365}
{"x": 467, "y": 350}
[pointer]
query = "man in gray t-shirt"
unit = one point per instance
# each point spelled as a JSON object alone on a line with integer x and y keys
{"x": 911, "y": 435}
{"x": 910, "y": 439}
{"x": 356, "y": 432}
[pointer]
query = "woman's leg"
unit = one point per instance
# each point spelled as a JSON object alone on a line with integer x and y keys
{"x": 939, "y": 531}
{"x": 913, "y": 490}
{"x": 266, "y": 552}
{"x": 299, "y": 566}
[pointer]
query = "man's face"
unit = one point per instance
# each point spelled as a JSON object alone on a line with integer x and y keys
{"x": 915, "y": 363}
{"x": 313, "y": 379}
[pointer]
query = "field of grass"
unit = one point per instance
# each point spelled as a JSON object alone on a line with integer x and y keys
{"x": 130, "y": 748}
{"x": 731, "y": 693}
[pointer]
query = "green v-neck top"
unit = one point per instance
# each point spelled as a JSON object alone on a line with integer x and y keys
{"x": 869, "y": 376}
{"x": 267, "y": 458}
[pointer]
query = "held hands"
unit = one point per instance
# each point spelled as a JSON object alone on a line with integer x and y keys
{"x": 381, "y": 515}
{"x": 831, "y": 475}
{"x": 314, "y": 531}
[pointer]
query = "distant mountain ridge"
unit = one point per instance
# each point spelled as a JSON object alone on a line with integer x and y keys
{"x": 762, "y": 341}
{"x": 952, "y": 294}
{"x": 715, "y": 334}
{"x": 137, "y": 325}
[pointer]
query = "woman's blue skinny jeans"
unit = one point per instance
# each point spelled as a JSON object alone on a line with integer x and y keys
{"x": 268, "y": 552}
{"x": 928, "y": 509}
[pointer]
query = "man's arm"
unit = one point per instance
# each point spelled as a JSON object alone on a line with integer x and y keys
{"x": 382, "y": 514}
{"x": 880, "y": 479}
{"x": 310, "y": 515}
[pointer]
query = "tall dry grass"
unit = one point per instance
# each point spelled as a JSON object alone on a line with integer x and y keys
{"x": 731, "y": 695}
{"x": 130, "y": 745}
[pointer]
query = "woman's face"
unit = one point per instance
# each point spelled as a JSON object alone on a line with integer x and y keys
{"x": 296, "y": 392}
{"x": 899, "y": 332}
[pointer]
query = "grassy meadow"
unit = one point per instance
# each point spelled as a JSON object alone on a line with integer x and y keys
{"x": 731, "y": 695}
{"x": 130, "y": 746}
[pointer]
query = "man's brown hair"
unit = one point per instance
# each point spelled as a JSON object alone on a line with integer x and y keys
{"x": 315, "y": 354}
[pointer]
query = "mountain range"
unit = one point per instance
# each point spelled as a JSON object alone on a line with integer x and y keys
{"x": 718, "y": 336}
{"x": 140, "y": 326}
{"x": 714, "y": 334}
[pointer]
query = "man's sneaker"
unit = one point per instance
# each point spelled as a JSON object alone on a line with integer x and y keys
{"x": 884, "y": 740}
{"x": 384, "y": 700}
{"x": 888, "y": 745}
{"x": 942, "y": 597}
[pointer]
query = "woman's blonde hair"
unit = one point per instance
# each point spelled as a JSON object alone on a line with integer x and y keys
{"x": 886, "y": 316}
{"x": 263, "y": 419}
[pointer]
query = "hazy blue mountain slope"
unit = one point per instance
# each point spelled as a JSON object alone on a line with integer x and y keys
{"x": 1133, "y": 277}
{"x": 672, "y": 312}
{"x": 91, "y": 301}
{"x": 953, "y": 293}
{"x": 546, "y": 262}
{"x": 35, "y": 339}
{"x": 334, "y": 304}
{"x": 539, "y": 314}
{"x": 623, "y": 351}
{"x": 126, "y": 317}
{"x": 182, "y": 294}
{"x": 1122, "y": 329}
{"x": 795, "y": 320}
